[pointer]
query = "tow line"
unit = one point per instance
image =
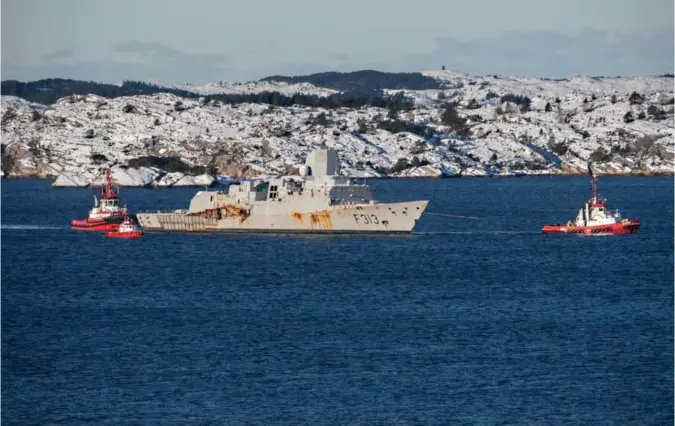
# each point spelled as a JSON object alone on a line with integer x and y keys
{"x": 453, "y": 215}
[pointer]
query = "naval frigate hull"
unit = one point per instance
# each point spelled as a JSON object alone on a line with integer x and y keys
{"x": 385, "y": 218}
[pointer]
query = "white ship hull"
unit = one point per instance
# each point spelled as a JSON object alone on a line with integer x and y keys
{"x": 385, "y": 218}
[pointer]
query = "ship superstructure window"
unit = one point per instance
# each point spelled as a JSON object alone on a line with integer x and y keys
{"x": 273, "y": 192}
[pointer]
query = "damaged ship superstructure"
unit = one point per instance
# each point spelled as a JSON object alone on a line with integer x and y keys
{"x": 317, "y": 200}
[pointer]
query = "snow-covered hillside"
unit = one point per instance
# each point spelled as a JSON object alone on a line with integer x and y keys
{"x": 255, "y": 87}
{"x": 568, "y": 122}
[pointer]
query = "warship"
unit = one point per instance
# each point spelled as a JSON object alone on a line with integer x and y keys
{"x": 316, "y": 200}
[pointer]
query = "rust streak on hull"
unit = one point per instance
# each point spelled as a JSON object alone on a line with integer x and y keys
{"x": 298, "y": 216}
{"x": 321, "y": 220}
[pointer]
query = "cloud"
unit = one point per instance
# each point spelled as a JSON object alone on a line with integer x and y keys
{"x": 535, "y": 53}
{"x": 62, "y": 53}
{"x": 259, "y": 50}
{"x": 338, "y": 56}
{"x": 118, "y": 71}
{"x": 160, "y": 52}
{"x": 551, "y": 54}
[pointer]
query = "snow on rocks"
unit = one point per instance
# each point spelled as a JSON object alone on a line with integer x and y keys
{"x": 178, "y": 179}
{"x": 425, "y": 171}
{"x": 17, "y": 104}
{"x": 128, "y": 177}
{"x": 288, "y": 89}
{"x": 141, "y": 177}
{"x": 200, "y": 180}
{"x": 568, "y": 123}
{"x": 474, "y": 172}
{"x": 168, "y": 180}
{"x": 69, "y": 180}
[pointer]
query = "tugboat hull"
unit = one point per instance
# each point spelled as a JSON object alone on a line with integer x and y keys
{"x": 124, "y": 235}
{"x": 624, "y": 227}
{"x": 96, "y": 225}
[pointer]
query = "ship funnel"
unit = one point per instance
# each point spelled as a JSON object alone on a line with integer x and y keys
{"x": 323, "y": 162}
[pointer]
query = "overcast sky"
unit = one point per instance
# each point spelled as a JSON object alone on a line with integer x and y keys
{"x": 200, "y": 41}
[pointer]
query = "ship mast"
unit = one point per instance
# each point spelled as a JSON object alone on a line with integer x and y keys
{"x": 594, "y": 183}
{"x": 104, "y": 193}
{"x": 108, "y": 182}
{"x": 106, "y": 190}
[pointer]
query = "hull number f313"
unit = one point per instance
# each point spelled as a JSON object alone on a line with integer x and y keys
{"x": 366, "y": 219}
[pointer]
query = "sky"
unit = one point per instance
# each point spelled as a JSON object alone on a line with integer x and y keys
{"x": 201, "y": 41}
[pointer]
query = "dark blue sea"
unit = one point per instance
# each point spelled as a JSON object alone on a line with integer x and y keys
{"x": 482, "y": 321}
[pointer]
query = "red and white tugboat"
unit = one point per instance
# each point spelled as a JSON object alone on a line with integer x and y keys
{"x": 107, "y": 216}
{"x": 128, "y": 229}
{"x": 595, "y": 219}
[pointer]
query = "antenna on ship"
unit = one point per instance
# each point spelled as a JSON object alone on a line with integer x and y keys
{"x": 594, "y": 182}
{"x": 108, "y": 183}
{"x": 323, "y": 139}
{"x": 264, "y": 149}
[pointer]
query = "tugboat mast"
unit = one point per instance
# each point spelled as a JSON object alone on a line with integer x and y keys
{"x": 107, "y": 191}
{"x": 594, "y": 183}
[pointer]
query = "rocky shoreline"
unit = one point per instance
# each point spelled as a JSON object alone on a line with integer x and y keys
{"x": 216, "y": 184}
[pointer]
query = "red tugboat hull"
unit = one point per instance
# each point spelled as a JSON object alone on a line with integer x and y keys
{"x": 126, "y": 235}
{"x": 95, "y": 225}
{"x": 624, "y": 227}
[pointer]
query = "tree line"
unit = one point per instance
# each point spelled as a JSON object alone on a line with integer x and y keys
{"x": 397, "y": 102}
{"x": 363, "y": 81}
{"x": 48, "y": 91}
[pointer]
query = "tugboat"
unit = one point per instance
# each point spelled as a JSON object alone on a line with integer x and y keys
{"x": 107, "y": 216}
{"x": 127, "y": 229}
{"x": 594, "y": 218}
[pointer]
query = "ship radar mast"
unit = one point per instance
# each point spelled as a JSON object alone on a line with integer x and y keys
{"x": 594, "y": 183}
{"x": 107, "y": 192}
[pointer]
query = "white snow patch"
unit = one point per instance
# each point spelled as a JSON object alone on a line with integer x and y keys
{"x": 200, "y": 180}
{"x": 68, "y": 180}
